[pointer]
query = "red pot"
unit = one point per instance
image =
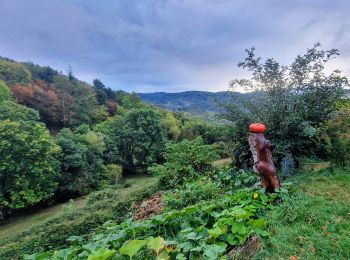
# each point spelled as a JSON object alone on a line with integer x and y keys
{"x": 257, "y": 128}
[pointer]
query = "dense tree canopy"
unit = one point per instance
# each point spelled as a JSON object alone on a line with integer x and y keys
{"x": 13, "y": 72}
{"x": 28, "y": 166}
{"x": 81, "y": 161}
{"x": 135, "y": 140}
{"x": 293, "y": 101}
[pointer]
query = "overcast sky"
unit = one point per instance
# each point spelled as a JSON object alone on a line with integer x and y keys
{"x": 160, "y": 45}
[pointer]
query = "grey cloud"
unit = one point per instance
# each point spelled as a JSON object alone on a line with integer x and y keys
{"x": 166, "y": 45}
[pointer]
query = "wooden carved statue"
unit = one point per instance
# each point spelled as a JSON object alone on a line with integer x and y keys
{"x": 263, "y": 165}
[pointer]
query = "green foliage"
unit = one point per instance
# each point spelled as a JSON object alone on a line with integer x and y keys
{"x": 184, "y": 160}
{"x": 44, "y": 73}
{"x": 86, "y": 109}
{"x": 293, "y": 101}
{"x": 135, "y": 140}
{"x": 5, "y": 93}
{"x": 207, "y": 229}
{"x": 172, "y": 125}
{"x": 111, "y": 174}
{"x": 103, "y": 92}
{"x": 12, "y": 73}
{"x": 80, "y": 223}
{"x": 132, "y": 247}
{"x": 231, "y": 179}
{"x": 191, "y": 193}
{"x": 15, "y": 112}
{"x": 81, "y": 161}
{"x": 336, "y": 134}
{"x": 28, "y": 166}
{"x": 78, "y": 102}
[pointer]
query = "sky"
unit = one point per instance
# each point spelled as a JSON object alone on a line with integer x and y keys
{"x": 168, "y": 45}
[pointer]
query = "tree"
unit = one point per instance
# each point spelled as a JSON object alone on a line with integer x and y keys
{"x": 44, "y": 73}
{"x": 71, "y": 77}
{"x": 98, "y": 84}
{"x": 28, "y": 168}
{"x": 85, "y": 109}
{"x": 135, "y": 140}
{"x": 101, "y": 97}
{"x": 293, "y": 101}
{"x": 12, "y": 73}
{"x": 82, "y": 162}
{"x": 172, "y": 125}
{"x": 65, "y": 88}
{"x": 42, "y": 97}
{"x": 28, "y": 165}
{"x": 103, "y": 92}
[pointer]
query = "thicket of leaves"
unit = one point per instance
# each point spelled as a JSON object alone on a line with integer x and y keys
{"x": 29, "y": 168}
{"x": 81, "y": 161}
{"x": 184, "y": 161}
{"x": 293, "y": 101}
{"x": 207, "y": 230}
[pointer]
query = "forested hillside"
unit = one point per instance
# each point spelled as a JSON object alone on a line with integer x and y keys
{"x": 201, "y": 104}
{"x": 76, "y": 136}
{"x": 189, "y": 101}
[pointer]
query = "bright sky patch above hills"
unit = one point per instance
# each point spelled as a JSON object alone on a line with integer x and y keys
{"x": 171, "y": 46}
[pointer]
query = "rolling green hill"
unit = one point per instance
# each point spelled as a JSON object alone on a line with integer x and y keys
{"x": 187, "y": 101}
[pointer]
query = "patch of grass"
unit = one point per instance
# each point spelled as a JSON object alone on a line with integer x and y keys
{"x": 314, "y": 221}
{"x": 21, "y": 223}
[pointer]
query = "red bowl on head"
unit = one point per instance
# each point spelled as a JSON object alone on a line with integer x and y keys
{"x": 257, "y": 128}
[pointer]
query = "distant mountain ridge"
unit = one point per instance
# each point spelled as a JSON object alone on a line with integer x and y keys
{"x": 193, "y": 102}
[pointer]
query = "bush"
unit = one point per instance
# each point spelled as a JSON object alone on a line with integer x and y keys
{"x": 111, "y": 174}
{"x": 232, "y": 180}
{"x": 191, "y": 193}
{"x": 186, "y": 160}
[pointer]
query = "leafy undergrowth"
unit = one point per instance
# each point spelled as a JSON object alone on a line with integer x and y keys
{"x": 314, "y": 222}
{"x": 112, "y": 203}
{"x": 208, "y": 230}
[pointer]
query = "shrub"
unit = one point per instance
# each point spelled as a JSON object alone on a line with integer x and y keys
{"x": 191, "y": 193}
{"x": 186, "y": 160}
{"x": 111, "y": 174}
{"x": 231, "y": 180}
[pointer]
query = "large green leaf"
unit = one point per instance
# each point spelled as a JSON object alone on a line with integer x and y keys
{"x": 214, "y": 251}
{"x": 156, "y": 244}
{"x": 132, "y": 247}
{"x": 101, "y": 254}
{"x": 238, "y": 228}
{"x": 215, "y": 232}
{"x": 258, "y": 223}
